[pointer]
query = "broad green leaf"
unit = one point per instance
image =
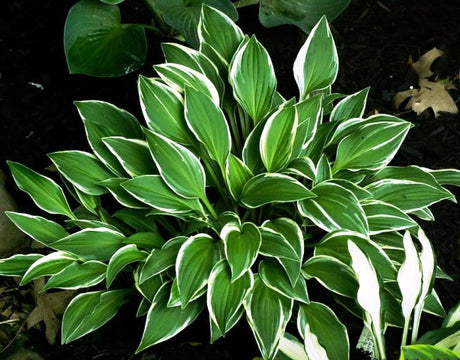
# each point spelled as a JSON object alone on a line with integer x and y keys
{"x": 114, "y": 185}
{"x": 277, "y": 139}
{"x": 446, "y": 176}
{"x": 92, "y": 224}
{"x": 321, "y": 137}
{"x": 132, "y": 154}
{"x": 163, "y": 109}
{"x": 121, "y": 258}
{"x": 82, "y": 169}
{"x": 324, "y": 324}
{"x": 215, "y": 331}
{"x": 179, "y": 76}
{"x": 184, "y": 16}
{"x": 77, "y": 276}
{"x": 148, "y": 288}
{"x": 152, "y": 190}
{"x": 97, "y": 43}
{"x": 251, "y": 152}
{"x": 427, "y": 352}
{"x": 38, "y": 228}
{"x": 146, "y": 240}
{"x": 91, "y": 203}
{"x": 273, "y": 188}
{"x": 383, "y": 217}
{"x": 303, "y": 167}
{"x": 371, "y": 146}
{"x": 208, "y": 124}
{"x": 163, "y": 322}
{"x": 310, "y": 113}
{"x": 316, "y": 64}
{"x": 268, "y": 313}
{"x": 236, "y": 175}
{"x": 312, "y": 346}
{"x": 179, "y": 167}
{"x": 137, "y": 219}
{"x": 334, "y": 208}
{"x": 199, "y": 249}
{"x": 302, "y": 13}
{"x": 452, "y": 317}
{"x": 360, "y": 193}
{"x": 274, "y": 244}
{"x": 89, "y": 311}
{"x": 17, "y": 265}
{"x": 91, "y": 244}
{"x": 323, "y": 170}
{"x": 219, "y": 32}
{"x": 241, "y": 247}
{"x": 350, "y": 107}
{"x": 225, "y": 296}
{"x": 424, "y": 214}
{"x": 45, "y": 193}
{"x": 48, "y": 265}
{"x": 332, "y": 273}
{"x": 273, "y": 275}
{"x": 253, "y": 79}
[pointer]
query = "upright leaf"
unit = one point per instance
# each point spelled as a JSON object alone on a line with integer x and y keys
{"x": 121, "y": 258}
{"x": 350, "y": 107}
{"x": 77, "y": 276}
{"x": 236, "y": 175}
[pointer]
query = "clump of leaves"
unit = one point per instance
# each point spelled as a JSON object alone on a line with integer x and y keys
{"x": 233, "y": 199}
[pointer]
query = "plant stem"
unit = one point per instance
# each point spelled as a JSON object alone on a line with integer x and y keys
{"x": 236, "y": 136}
{"x": 151, "y": 28}
{"x": 209, "y": 207}
{"x": 405, "y": 332}
{"x": 416, "y": 322}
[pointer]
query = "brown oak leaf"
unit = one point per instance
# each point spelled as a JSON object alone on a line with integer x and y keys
{"x": 423, "y": 64}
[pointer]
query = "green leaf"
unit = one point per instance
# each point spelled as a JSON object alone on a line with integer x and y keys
{"x": 152, "y": 190}
{"x": 82, "y": 169}
{"x": 137, "y": 219}
{"x": 352, "y": 106}
{"x": 323, "y": 170}
{"x": 302, "y": 13}
{"x": 277, "y": 139}
{"x": 310, "y": 113}
{"x": 268, "y": 313}
{"x": 91, "y": 244}
{"x": 45, "y": 193}
{"x": 184, "y": 15}
{"x": 163, "y": 109}
{"x": 146, "y": 240}
{"x": 225, "y": 296}
{"x": 208, "y": 124}
{"x": 251, "y": 152}
{"x": 446, "y": 176}
{"x": 236, "y": 175}
{"x": 383, "y": 217}
{"x": 453, "y": 317}
{"x": 179, "y": 167}
{"x": 302, "y": 167}
{"x": 291, "y": 348}
{"x": 334, "y": 208}
{"x": 371, "y": 146}
{"x": 18, "y": 264}
{"x": 360, "y": 193}
{"x": 38, "y": 228}
{"x": 275, "y": 244}
{"x": 316, "y": 64}
{"x": 89, "y": 311}
{"x": 47, "y": 265}
{"x": 273, "y": 188}
{"x": 241, "y": 247}
{"x": 163, "y": 322}
{"x": 219, "y": 32}
{"x": 132, "y": 154}
{"x": 253, "y": 79}
{"x": 198, "y": 249}
{"x": 427, "y": 352}
{"x": 114, "y": 185}
{"x": 331, "y": 334}
{"x": 77, "y": 276}
{"x": 121, "y": 258}
{"x": 97, "y": 43}
{"x": 332, "y": 273}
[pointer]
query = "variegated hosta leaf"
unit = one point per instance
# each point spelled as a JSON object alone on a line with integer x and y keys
{"x": 273, "y": 188}
{"x": 199, "y": 249}
{"x": 421, "y": 351}
{"x": 323, "y": 169}
{"x": 225, "y": 296}
{"x": 275, "y": 244}
{"x": 236, "y": 175}
{"x": 320, "y": 321}
{"x": 350, "y": 107}
{"x": 241, "y": 247}
{"x": 268, "y": 313}
{"x": 253, "y": 79}
{"x": 121, "y": 258}
{"x": 316, "y": 64}
{"x": 114, "y": 185}
{"x": 309, "y": 112}
{"x": 17, "y": 265}
{"x": 291, "y": 348}
{"x": 45, "y": 193}
{"x": 446, "y": 176}
{"x": 163, "y": 322}
{"x": 360, "y": 193}
{"x": 334, "y": 208}
{"x": 303, "y": 167}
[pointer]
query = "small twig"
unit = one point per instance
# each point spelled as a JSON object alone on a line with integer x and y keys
{"x": 14, "y": 337}
{"x": 11, "y": 321}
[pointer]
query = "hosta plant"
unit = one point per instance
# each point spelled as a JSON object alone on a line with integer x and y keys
{"x": 230, "y": 200}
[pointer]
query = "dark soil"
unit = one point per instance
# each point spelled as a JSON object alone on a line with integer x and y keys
{"x": 375, "y": 40}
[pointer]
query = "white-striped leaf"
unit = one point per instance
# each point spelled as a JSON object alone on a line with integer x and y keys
{"x": 17, "y": 265}
{"x": 330, "y": 333}
{"x": 316, "y": 64}
{"x": 360, "y": 193}
{"x": 291, "y": 348}
{"x": 191, "y": 279}
{"x": 273, "y": 188}
{"x": 383, "y": 217}
{"x": 225, "y": 296}
{"x": 253, "y": 79}
{"x": 309, "y": 112}
{"x": 179, "y": 167}
{"x": 45, "y": 193}
{"x": 274, "y": 244}
{"x": 121, "y": 258}
{"x": 48, "y": 265}
{"x": 215, "y": 331}
{"x": 114, "y": 185}
{"x": 241, "y": 247}
{"x": 147, "y": 240}
{"x": 446, "y": 176}
{"x": 77, "y": 276}
{"x": 334, "y": 208}
{"x": 277, "y": 139}
{"x": 352, "y": 106}
{"x": 323, "y": 169}
{"x": 304, "y": 167}
{"x": 236, "y": 175}
{"x": 422, "y": 351}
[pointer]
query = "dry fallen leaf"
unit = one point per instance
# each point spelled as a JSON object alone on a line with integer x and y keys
{"x": 430, "y": 95}
{"x": 48, "y": 306}
{"x": 423, "y": 64}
